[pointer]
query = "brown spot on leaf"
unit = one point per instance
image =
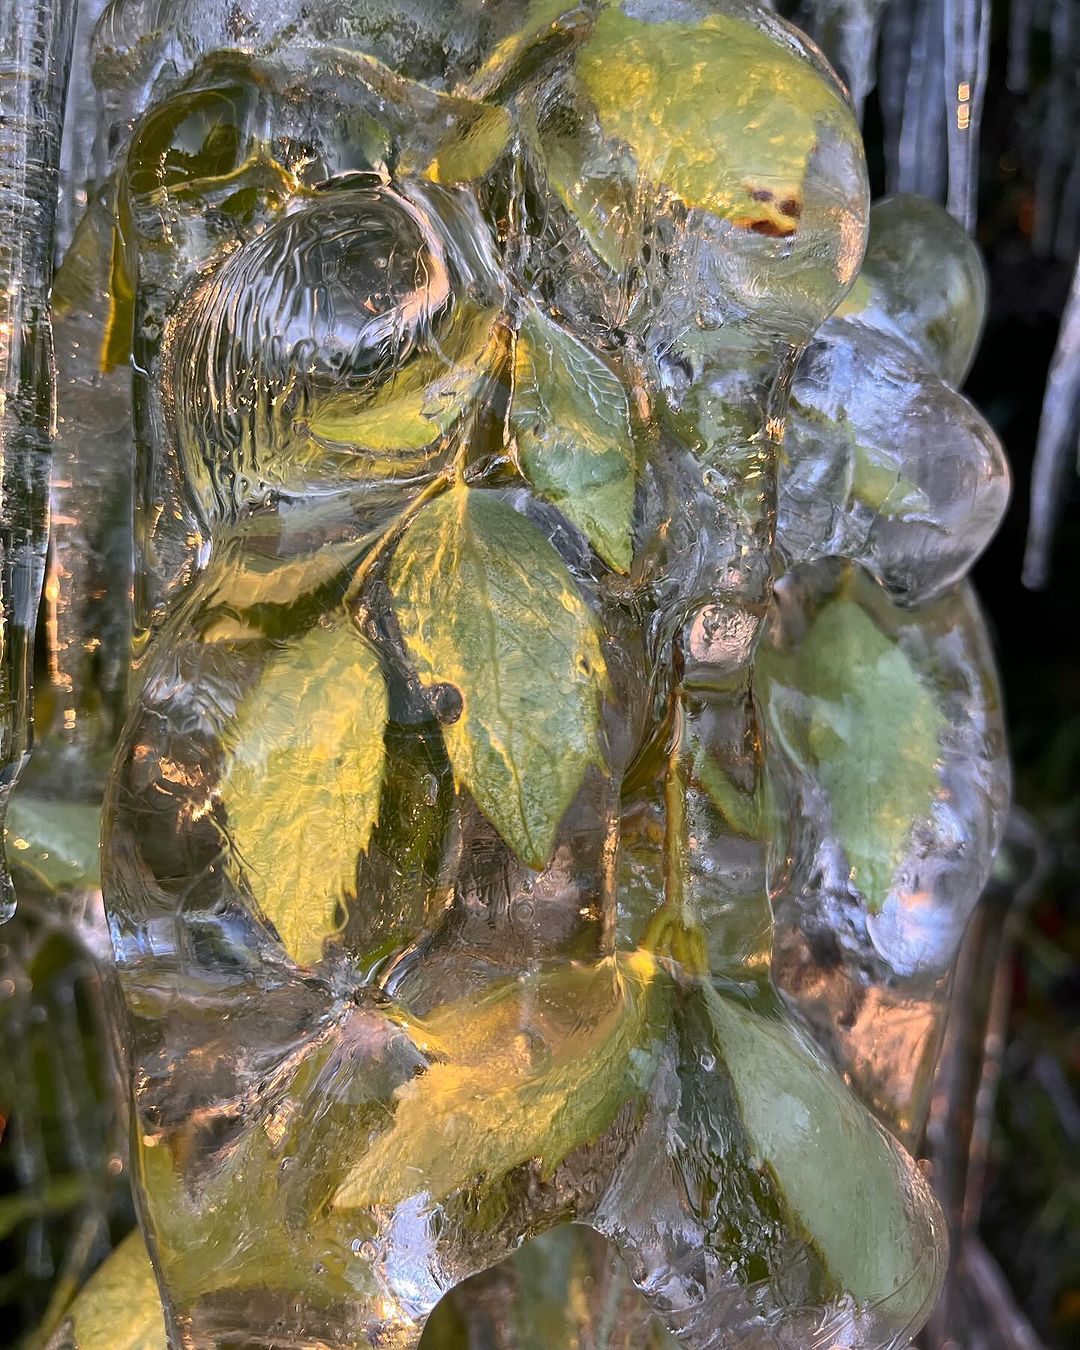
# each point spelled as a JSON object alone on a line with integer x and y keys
{"x": 773, "y": 229}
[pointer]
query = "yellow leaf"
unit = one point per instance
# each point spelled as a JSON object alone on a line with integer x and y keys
{"x": 716, "y": 111}
{"x": 535, "y": 1069}
{"x": 119, "y": 1307}
{"x": 473, "y": 147}
{"x": 418, "y": 404}
{"x": 302, "y": 777}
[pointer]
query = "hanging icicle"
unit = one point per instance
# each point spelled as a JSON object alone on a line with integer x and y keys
{"x": 35, "y": 52}
{"x": 1059, "y": 435}
{"x": 967, "y": 60}
{"x": 921, "y": 164}
{"x": 1018, "y": 70}
{"x": 847, "y": 32}
{"x": 894, "y": 60}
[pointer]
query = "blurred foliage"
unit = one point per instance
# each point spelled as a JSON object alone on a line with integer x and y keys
{"x": 64, "y": 1193}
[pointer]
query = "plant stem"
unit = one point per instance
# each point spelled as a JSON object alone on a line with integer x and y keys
{"x": 675, "y": 817}
{"x": 675, "y": 929}
{"x": 394, "y": 529}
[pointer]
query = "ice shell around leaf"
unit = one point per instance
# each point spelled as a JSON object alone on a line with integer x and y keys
{"x": 922, "y": 280}
{"x": 716, "y": 111}
{"x": 301, "y": 782}
{"x": 849, "y": 708}
{"x": 575, "y": 445}
{"x": 416, "y": 406}
{"x": 842, "y": 1180}
{"x": 532, "y": 1071}
{"x": 886, "y": 464}
{"x": 487, "y": 607}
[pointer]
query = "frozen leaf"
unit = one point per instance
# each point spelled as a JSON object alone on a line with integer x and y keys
{"x": 716, "y": 111}
{"x": 416, "y": 406}
{"x": 746, "y": 813}
{"x": 882, "y": 487}
{"x": 492, "y": 619}
{"x": 542, "y": 19}
{"x": 842, "y": 1181}
{"x": 302, "y": 777}
{"x": 247, "y": 578}
{"x": 54, "y": 842}
{"x": 119, "y": 1308}
{"x": 849, "y": 707}
{"x": 532, "y": 1071}
{"x": 572, "y": 420}
{"x": 602, "y": 198}
{"x": 476, "y": 143}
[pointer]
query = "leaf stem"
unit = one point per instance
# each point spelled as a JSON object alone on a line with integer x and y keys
{"x": 394, "y": 529}
{"x": 675, "y": 929}
{"x": 675, "y": 816}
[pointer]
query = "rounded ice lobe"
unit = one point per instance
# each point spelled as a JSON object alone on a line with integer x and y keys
{"x": 887, "y": 465}
{"x": 923, "y": 280}
{"x": 341, "y": 292}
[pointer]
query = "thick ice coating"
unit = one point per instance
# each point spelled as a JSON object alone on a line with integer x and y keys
{"x": 499, "y": 770}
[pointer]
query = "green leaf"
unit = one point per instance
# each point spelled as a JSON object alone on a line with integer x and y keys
{"x": 848, "y": 707}
{"x": 417, "y": 405}
{"x": 54, "y": 842}
{"x": 301, "y": 783}
{"x": 119, "y": 1307}
{"x": 601, "y": 198}
{"x": 247, "y": 578}
{"x": 842, "y": 1180}
{"x": 537, "y": 1068}
{"x": 572, "y": 420}
{"x": 718, "y": 112}
{"x": 487, "y": 607}
{"x": 471, "y": 150}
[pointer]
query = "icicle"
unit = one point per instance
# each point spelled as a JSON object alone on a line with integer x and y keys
{"x": 967, "y": 58}
{"x": 35, "y": 52}
{"x": 921, "y": 158}
{"x": 1067, "y": 238}
{"x": 1019, "y": 56}
{"x": 894, "y": 61}
{"x": 80, "y": 130}
{"x": 1059, "y": 432}
{"x": 847, "y": 31}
